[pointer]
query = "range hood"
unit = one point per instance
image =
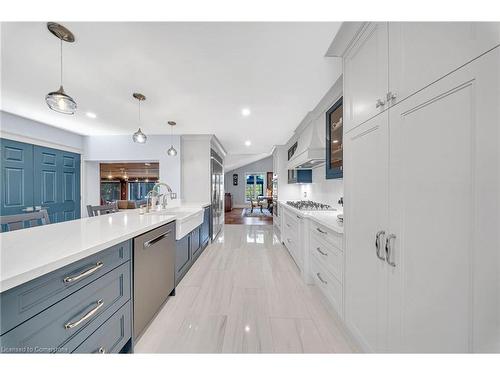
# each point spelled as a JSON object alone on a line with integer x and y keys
{"x": 311, "y": 145}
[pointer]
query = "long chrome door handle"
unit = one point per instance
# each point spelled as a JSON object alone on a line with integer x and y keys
{"x": 87, "y": 316}
{"x": 320, "y": 278}
{"x": 156, "y": 239}
{"x": 388, "y": 250}
{"x": 322, "y": 253}
{"x": 379, "y": 234}
{"x": 90, "y": 271}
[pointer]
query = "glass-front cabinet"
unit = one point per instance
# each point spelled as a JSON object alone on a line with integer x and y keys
{"x": 334, "y": 146}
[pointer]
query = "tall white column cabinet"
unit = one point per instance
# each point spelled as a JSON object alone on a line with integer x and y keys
{"x": 422, "y": 187}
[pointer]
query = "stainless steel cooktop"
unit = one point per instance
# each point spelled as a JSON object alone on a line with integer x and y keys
{"x": 310, "y": 206}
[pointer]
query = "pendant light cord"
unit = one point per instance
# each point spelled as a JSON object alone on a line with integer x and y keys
{"x": 61, "y": 62}
{"x": 139, "y": 114}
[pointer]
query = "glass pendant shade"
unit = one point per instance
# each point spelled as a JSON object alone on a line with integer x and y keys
{"x": 61, "y": 102}
{"x": 139, "y": 137}
{"x": 172, "y": 151}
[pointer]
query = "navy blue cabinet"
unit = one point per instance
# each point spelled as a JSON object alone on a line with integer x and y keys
{"x": 296, "y": 176}
{"x": 16, "y": 187}
{"x": 190, "y": 247}
{"x": 205, "y": 228}
{"x": 182, "y": 257}
{"x": 35, "y": 177}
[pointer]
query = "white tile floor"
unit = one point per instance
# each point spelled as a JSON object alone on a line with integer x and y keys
{"x": 245, "y": 295}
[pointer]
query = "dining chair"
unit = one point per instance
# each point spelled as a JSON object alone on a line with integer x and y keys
{"x": 254, "y": 203}
{"x": 10, "y": 223}
{"x": 101, "y": 210}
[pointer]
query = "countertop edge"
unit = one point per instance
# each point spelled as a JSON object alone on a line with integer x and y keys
{"x": 31, "y": 274}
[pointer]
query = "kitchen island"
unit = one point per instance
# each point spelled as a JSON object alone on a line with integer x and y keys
{"x": 67, "y": 287}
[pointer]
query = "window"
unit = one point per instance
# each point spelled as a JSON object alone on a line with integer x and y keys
{"x": 138, "y": 190}
{"x": 254, "y": 186}
{"x": 110, "y": 191}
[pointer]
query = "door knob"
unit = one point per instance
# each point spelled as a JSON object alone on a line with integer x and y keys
{"x": 379, "y": 103}
{"x": 390, "y": 96}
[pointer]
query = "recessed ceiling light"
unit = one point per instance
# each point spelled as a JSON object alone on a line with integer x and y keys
{"x": 91, "y": 114}
{"x": 245, "y": 112}
{"x": 248, "y": 143}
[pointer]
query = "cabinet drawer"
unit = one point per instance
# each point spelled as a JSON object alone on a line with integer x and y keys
{"x": 111, "y": 336}
{"x": 57, "y": 325}
{"x": 324, "y": 233}
{"x": 328, "y": 285}
{"x": 294, "y": 250}
{"x": 25, "y": 301}
{"x": 292, "y": 220}
{"x": 329, "y": 256}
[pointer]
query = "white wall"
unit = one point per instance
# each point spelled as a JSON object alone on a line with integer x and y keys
{"x": 121, "y": 148}
{"x": 25, "y": 130}
{"x": 238, "y": 192}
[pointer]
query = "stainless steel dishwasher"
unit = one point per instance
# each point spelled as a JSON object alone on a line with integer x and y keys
{"x": 154, "y": 273}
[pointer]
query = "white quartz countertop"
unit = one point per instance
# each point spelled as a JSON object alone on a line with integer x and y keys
{"x": 326, "y": 218}
{"x": 29, "y": 253}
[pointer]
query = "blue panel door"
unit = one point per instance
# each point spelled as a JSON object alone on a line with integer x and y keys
{"x": 16, "y": 187}
{"x": 57, "y": 183}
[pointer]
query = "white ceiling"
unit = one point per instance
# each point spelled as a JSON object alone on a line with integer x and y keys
{"x": 198, "y": 74}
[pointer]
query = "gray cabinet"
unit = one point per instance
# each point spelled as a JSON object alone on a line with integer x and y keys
{"x": 59, "y": 311}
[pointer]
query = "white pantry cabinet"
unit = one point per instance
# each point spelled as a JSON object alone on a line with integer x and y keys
{"x": 444, "y": 159}
{"x": 366, "y": 158}
{"x": 427, "y": 173}
{"x": 422, "y": 52}
{"x": 365, "y": 75}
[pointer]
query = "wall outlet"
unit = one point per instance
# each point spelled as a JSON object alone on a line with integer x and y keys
{"x": 305, "y": 194}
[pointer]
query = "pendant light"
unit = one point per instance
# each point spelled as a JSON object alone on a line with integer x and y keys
{"x": 139, "y": 136}
{"x": 58, "y": 100}
{"x": 172, "y": 151}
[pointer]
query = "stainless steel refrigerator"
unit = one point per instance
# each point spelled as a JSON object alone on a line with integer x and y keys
{"x": 217, "y": 193}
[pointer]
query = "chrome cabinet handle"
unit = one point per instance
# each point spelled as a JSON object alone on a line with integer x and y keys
{"x": 28, "y": 209}
{"x": 322, "y": 253}
{"x": 379, "y": 234}
{"x": 321, "y": 231}
{"x": 101, "y": 350}
{"x": 379, "y": 103}
{"x": 390, "y": 96}
{"x": 321, "y": 279}
{"x": 90, "y": 271}
{"x": 87, "y": 316}
{"x": 156, "y": 239}
{"x": 388, "y": 250}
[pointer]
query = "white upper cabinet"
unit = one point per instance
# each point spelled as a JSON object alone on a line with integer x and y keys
{"x": 366, "y": 160}
{"x": 422, "y": 52}
{"x": 365, "y": 75}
